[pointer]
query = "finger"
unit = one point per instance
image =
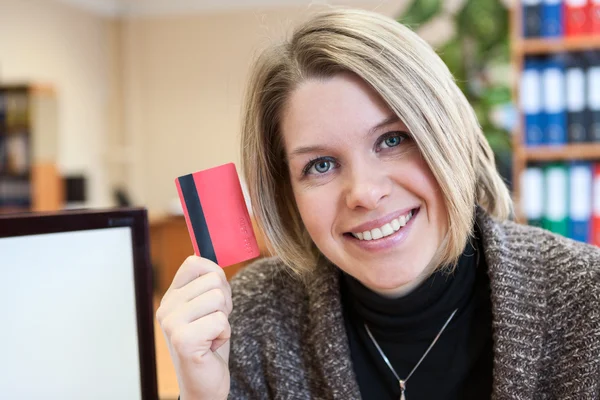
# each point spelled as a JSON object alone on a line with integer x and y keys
{"x": 192, "y": 268}
{"x": 212, "y": 280}
{"x": 203, "y": 305}
{"x": 202, "y": 284}
{"x": 196, "y": 339}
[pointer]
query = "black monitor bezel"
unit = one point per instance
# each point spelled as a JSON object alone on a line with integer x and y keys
{"x": 14, "y": 225}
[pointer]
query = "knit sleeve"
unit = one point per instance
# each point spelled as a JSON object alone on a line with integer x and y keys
{"x": 268, "y": 330}
{"x": 248, "y": 365}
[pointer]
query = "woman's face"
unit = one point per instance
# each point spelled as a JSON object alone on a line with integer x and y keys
{"x": 366, "y": 196}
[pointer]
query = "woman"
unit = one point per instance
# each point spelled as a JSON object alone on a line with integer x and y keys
{"x": 371, "y": 179}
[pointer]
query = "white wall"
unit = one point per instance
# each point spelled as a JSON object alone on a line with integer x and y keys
{"x": 43, "y": 41}
{"x": 184, "y": 81}
{"x": 143, "y": 99}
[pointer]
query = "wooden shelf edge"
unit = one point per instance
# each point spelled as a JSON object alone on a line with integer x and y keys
{"x": 547, "y": 45}
{"x": 14, "y": 210}
{"x": 41, "y": 88}
{"x": 586, "y": 151}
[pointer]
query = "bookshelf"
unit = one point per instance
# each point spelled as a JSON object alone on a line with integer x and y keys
{"x": 29, "y": 177}
{"x": 550, "y": 46}
{"x": 520, "y": 49}
{"x": 567, "y": 152}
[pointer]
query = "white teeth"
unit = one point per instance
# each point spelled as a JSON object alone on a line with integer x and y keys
{"x": 386, "y": 229}
{"x": 376, "y": 233}
{"x": 402, "y": 220}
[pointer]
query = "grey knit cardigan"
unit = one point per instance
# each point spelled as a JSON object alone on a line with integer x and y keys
{"x": 289, "y": 340}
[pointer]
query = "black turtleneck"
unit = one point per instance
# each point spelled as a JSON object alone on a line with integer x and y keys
{"x": 459, "y": 366}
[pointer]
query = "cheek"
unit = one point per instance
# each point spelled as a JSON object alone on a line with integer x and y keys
{"x": 435, "y": 202}
{"x": 425, "y": 186}
{"x": 317, "y": 210}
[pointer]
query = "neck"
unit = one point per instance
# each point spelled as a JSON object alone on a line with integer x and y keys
{"x": 409, "y": 287}
{"x": 432, "y": 296}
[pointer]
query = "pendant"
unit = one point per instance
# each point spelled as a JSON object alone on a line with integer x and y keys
{"x": 402, "y": 389}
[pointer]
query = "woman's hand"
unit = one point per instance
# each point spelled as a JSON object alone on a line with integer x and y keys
{"x": 193, "y": 316}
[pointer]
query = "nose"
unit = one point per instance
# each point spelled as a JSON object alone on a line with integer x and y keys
{"x": 367, "y": 187}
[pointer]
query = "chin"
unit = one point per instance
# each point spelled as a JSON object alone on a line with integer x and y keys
{"x": 389, "y": 280}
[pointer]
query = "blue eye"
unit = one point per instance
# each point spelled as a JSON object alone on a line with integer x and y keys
{"x": 392, "y": 140}
{"x": 322, "y": 166}
{"x": 319, "y": 166}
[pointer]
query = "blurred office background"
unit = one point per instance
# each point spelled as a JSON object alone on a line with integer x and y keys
{"x": 147, "y": 90}
{"x": 103, "y": 103}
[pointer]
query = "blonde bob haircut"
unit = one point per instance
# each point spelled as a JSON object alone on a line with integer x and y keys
{"x": 414, "y": 82}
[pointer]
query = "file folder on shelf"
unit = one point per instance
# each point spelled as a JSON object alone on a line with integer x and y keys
{"x": 595, "y": 231}
{"x": 532, "y": 18}
{"x": 531, "y": 102}
{"x": 593, "y": 95}
{"x": 594, "y": 17}
{"x": 532, "y": 195}
{"x": 576, "y": 17}
{"x": 556, "y": 199}
{"x": 553, "y": 103}
{"x": 552, "y": 18}
{"x": 576, "y": 104}
{"x": 580, "y": 200}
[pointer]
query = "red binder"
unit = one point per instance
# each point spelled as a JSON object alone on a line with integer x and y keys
{"x": 576, "y": 17}
{"x": 594, "y": 15}
{"x": 595, "y": 234}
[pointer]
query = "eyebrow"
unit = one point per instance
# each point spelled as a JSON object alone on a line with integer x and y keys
{"x": 316, "y": 149}
{"x": 388, "y": 121}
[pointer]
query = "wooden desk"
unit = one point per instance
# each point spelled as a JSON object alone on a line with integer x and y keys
{"x": 168, "y": 388}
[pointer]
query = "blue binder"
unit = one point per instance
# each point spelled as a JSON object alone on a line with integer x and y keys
{"x": 593, "y": 95}
{"x": 576, "y": 86}
{"x": 530, "y": 96}
{"x": 580, "y": 200}
{"x": 552, "y": 17}
{"x": 554, "y": 105}
{"x": 532, "y": 18}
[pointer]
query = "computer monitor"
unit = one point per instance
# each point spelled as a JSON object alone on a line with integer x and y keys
{"x": 76, "y": 306}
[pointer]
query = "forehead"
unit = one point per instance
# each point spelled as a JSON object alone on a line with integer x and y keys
{"x": 331, "y": 110}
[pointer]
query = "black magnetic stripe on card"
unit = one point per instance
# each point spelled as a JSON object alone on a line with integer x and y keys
{"x": 196, "y": 216}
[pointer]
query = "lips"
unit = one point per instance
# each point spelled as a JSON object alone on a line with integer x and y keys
{"x": 386, "y": 228}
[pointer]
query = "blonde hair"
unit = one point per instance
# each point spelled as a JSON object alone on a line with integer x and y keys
{"x": 414, "y": 82}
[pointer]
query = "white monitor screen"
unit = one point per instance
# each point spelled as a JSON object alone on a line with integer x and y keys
{"x": 69, "y": 323}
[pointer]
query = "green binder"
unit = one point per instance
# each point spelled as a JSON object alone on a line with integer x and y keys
{"x": 556, "y": 209}
{"x": 533, "y": 195}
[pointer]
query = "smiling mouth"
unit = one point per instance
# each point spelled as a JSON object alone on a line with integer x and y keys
{"x": 387, "y": 229}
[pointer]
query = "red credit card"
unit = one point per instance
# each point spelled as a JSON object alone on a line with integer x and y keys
{"x": 216, "y": 215}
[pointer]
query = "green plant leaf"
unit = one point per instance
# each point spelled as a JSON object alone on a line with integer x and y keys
{"x": 497, "y": 95}
{"x": 485, "y": 20}
{"x": 481, "y": 42}
{"x": 420, "y": 11}
{"x": 451, "y": 53}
